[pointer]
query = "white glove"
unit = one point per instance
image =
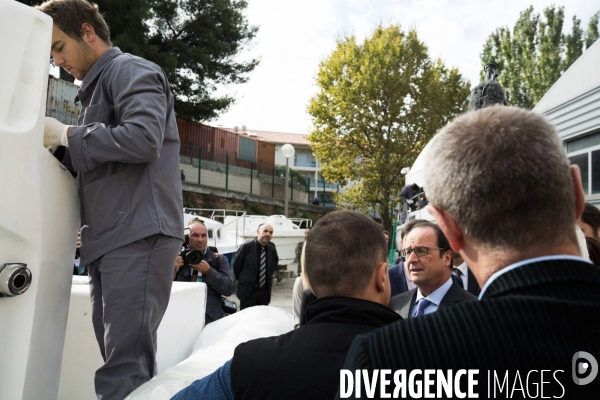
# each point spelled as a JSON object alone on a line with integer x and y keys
{"x": 409, "y": 201}
{"x": 55, "y": 133}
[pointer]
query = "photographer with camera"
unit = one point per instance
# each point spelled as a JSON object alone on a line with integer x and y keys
{"x": 196, "y": 263}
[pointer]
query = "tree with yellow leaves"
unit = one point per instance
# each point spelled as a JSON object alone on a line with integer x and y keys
{"x": 378, "y": 105}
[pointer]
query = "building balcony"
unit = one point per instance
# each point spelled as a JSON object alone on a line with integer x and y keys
{"x": 320, "y": 184}
{"x": 300, "y": 163}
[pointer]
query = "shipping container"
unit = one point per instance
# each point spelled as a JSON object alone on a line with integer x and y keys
{"x": 194, "y": 136}
{"x": 265, "y": 157}
{"x": 60, "y": 103}
{"x": 225, "y": 142}
{"x": 222, "y": 146}
{"x": 247, "y": 149}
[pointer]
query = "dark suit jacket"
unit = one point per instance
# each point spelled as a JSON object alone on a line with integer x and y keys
{"x": 245, "y": 267}
{"x": 397, "y": 279}
{"x": 455, "y": 296}
{"x": 472, "y": 283}
{"x": 534, "y": 317}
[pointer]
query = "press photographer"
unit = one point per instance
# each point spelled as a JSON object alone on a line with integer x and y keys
{"x": 196, "y": 263}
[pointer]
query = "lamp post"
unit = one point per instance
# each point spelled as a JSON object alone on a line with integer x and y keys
{"x": 288, "y": 151}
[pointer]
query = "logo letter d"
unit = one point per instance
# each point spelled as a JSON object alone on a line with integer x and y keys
{"x": 582, "y": 367}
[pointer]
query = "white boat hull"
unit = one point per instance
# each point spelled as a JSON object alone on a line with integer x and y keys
{"x": 39, "y": 210}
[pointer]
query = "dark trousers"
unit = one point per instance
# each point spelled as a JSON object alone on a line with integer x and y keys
{"x": 258, "y": 297}
{"x": 130, "y": 290}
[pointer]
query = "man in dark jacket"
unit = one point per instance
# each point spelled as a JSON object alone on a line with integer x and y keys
{"x": 407, "y": 194}
{"x": 537, "y": 323}
{"x": 352, "y": 286}
{"x": 213, "y": 270}
{"x": 253, "y": 267}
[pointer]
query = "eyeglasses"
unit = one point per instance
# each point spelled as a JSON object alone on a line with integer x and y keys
{"x": 419, "y": 251}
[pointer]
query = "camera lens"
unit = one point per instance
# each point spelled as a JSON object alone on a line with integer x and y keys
{"x": 194, "y": 257}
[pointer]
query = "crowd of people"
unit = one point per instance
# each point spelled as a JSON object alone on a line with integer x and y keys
{"x": 499, "y": 283}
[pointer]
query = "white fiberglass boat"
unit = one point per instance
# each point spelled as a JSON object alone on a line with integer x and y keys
{"x": 415, "y": 175}
{"x": 287, "y": 232}
{"x": 47, "y": 345}
{"x": 233, "y": 226}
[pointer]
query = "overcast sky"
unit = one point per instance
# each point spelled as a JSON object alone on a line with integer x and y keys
{"x": 294, "y": 36}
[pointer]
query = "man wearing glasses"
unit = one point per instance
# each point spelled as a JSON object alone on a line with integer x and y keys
{"x": 512, "y": 222}
{"x": 428, "y": 258}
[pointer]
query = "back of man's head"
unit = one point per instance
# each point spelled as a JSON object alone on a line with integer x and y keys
{"x": 70, "y": 15}
{"x": 591, "y": 217}
{"x": 503, "y": 176}
{"x": 342, "y": 253}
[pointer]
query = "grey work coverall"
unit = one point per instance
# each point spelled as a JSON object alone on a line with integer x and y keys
{"x": 126, "y": 152}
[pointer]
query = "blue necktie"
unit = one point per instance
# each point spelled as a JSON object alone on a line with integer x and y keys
{"x": 423, "y": 303}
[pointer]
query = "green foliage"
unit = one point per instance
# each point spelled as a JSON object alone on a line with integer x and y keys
{"x": 573, "y": 44}
{"x": 195, "y": 42}
{"x": 378, "y": 105}
{"x": 535, "y": 53}
{"x": 188, "y": 203}
{"x": 298, "y": 178}
{"x": 592, "y": 33}
{"x": 253, "y": 208}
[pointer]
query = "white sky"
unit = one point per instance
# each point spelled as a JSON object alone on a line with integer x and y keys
{"x": 294, "y": 36}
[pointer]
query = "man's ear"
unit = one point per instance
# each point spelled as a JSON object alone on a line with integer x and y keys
{"x": 448, "y": 226}
{"x": 448, "y": 258}
{"x": 88, "y": 33}
{"x": 381, "y": 276}
{"x": 578, "y": 190}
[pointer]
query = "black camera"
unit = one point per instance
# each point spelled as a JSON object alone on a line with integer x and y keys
{"x": 190, "y": 257}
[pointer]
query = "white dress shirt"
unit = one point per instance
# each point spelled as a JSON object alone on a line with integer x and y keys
{"x": 463, "y": 275}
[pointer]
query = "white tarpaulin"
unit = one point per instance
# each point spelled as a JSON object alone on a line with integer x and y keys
{"x": 214, "y": 347}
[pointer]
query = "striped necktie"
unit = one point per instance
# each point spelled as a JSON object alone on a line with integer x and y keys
{"x": 263, "y": 268}
{"x": 459, "y": 274}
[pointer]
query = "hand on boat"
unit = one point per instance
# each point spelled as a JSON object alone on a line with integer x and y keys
{"x": 55, "y": 133}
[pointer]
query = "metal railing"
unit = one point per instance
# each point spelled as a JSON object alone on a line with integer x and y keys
{"x": 305, "y": 163}
{"x": 323, "y": 184}
{"x": 302, "y": 222}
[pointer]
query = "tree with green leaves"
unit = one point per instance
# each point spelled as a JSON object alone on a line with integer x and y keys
{"x": 379, "y": 102}
{"x": 592, "y": 33}
{"x": 535, "y": 53}
{"x": 195, "y": 42}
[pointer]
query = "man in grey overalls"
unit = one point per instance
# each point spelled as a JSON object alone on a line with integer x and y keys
{"x": 126, "y": 154}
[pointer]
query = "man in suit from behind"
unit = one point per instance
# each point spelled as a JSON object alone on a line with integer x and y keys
{"x": 253, "y": 267}
{"x": 429, "y": 260}
{"x": 512, "y": 222}
{"x": 466, "y": 279}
